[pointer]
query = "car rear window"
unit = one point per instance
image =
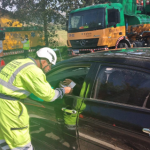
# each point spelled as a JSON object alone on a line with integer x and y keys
{"x": 123, "y": 86}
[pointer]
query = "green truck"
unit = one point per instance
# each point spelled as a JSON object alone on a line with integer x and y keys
{"x": 117, "y": 24}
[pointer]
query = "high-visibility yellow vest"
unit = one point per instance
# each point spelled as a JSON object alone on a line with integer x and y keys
{"x": 10, "y": 106}
{"x": 26, "y": 46}
{"x": 14, "y": 119}
{"x": 8, "y": 75}
{"x": 13, "y": 74}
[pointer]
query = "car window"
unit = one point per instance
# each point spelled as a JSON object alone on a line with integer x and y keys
{"x": 76, "y": 74}
{"x": 123, "y": 86}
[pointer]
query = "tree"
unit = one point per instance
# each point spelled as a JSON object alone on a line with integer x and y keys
{"x": 35, "y": 12}
{"x": 43, "y": 12}
{"x": 93, "y": 2}
{"x": 66, "y": 6}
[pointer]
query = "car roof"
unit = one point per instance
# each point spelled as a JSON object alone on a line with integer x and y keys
{"x": 138, "y": 57}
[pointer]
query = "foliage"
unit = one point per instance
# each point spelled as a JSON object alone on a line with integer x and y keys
{"x": 93, "y": 2}
{"x": 36, "y": 12}
{"x": 67, "y": 6}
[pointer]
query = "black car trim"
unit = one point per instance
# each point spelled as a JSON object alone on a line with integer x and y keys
{"x": 67, "y": 66}
{"x": 120, "y": 104}
{"x": 95, "y": 69}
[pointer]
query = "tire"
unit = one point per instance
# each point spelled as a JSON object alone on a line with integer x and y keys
{"x": 123, "y": 45}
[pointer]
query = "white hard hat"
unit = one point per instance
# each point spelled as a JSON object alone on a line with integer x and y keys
{"x": 47, "y": 53}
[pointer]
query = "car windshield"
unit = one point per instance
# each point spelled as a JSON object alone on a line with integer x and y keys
{"x": 86, "y": 20}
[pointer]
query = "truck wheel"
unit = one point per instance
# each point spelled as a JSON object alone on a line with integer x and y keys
{"x": 123, "y": 45}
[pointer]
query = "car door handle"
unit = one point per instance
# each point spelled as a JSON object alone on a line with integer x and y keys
{"x": 69, "y": 111}
{"x": 146, "y": 130}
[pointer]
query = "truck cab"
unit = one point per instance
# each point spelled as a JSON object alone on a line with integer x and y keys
{"x": 116, "y": 24}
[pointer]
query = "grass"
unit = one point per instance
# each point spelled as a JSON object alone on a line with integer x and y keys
{"x": 62, "y": 38}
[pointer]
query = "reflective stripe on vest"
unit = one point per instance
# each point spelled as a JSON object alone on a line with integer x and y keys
{"x": 70, "y": 127}
{"x": 13, "y": 88}
{"x": 12, "y": 78}
{"x": 7, "y": 97}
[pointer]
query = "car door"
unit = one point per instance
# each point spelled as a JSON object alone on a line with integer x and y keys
{"x": 53, "y": 125}
{"x": 117, "y": 110}
{"x": 69, "y": 111}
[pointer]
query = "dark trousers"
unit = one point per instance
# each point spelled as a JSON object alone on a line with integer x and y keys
{"x": 26, "y": 53}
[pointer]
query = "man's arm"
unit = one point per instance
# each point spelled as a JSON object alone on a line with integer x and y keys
{"x": 59, "y": 92}
{"x": 35, "y": 81}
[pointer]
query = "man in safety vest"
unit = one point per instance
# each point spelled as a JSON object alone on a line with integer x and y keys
{"x": 18, "y": 79}
{"x": 26, "y": 46}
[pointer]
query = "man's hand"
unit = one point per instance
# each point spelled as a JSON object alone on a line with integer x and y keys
{"x": 67, "y": 81}
{"x": 68, "y": 90}
{"x": 64, "y": 83}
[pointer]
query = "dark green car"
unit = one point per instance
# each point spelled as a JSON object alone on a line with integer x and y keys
{"x": 108, "y": 109}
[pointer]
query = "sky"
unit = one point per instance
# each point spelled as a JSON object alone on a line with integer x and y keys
{"x": 7, "y": 8}
{"x": 14, "y": 8}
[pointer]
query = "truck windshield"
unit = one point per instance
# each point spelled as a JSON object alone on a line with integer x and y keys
{"x": 87, "y": 20}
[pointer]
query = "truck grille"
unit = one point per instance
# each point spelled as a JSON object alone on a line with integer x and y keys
{"x": 84, "y": 43}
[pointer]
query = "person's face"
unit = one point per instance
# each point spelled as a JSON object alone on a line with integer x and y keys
{"x": 45, "y": 66}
